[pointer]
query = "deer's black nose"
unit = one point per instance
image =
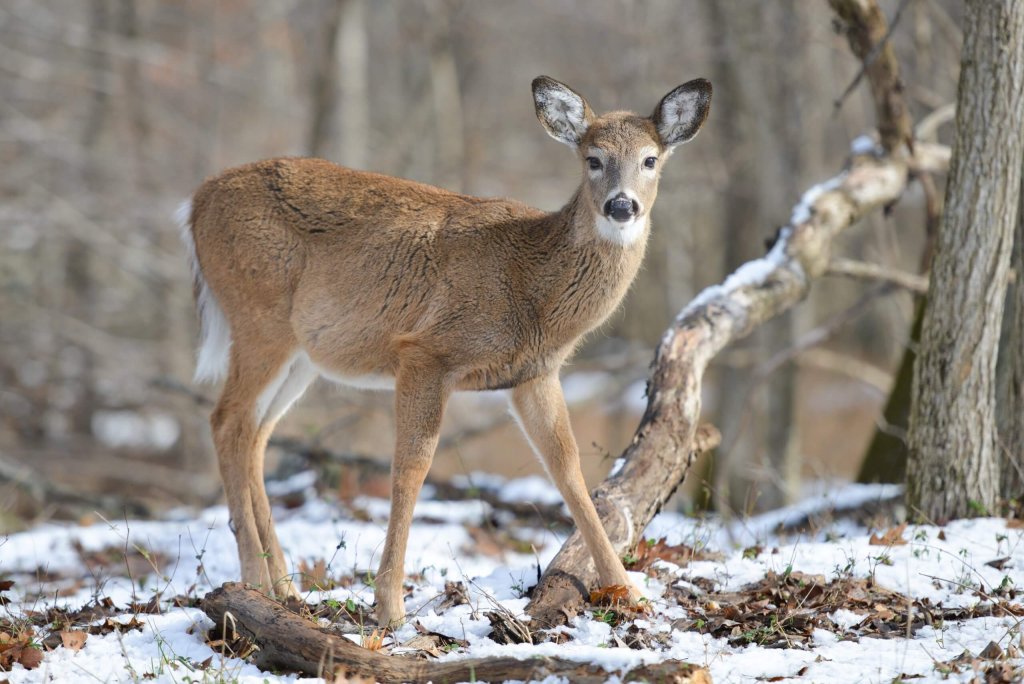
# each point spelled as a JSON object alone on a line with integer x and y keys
{"x": 621, "y": 207}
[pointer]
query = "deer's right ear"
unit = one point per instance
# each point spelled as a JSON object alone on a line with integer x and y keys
{"x": 564, "y": 113}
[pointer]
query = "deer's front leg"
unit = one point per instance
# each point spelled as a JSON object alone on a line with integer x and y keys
{"x": 545, "y": 420}
{"x": 419, "y": 404}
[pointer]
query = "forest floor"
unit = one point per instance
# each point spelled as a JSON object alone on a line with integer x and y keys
{"x": 833, "y": 599}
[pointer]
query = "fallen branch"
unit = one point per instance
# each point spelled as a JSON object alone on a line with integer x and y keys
{"x": 868, "y": 35}
{"x": 284, "y": 640}
{"x": 662, "y": 449}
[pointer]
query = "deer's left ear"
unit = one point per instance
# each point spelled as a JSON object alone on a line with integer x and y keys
{"x": 681, "y": 113}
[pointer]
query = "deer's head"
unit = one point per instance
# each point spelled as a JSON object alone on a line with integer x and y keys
{"x": 622, "y": 153}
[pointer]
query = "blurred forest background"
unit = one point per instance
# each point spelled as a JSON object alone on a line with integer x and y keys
{"x": 113, "y": 111}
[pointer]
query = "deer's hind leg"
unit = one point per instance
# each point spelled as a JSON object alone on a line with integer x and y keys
{"x": 263, "y": 381}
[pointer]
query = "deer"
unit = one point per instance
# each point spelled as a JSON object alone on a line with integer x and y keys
{"x": 303, "y": 268}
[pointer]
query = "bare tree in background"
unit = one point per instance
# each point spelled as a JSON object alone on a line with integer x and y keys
{"x": 953, "y": 469}
{"x": 1010, "y": 372}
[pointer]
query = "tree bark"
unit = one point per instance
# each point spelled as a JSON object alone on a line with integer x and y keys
{"x": 1010, "y": 372}
{"x": 953, "y": 469}
{"x": 663, "y": 447}
{"x": 291, "y": 642}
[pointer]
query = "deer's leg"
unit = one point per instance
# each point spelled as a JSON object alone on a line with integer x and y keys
{"x": 255, "y": 378}
{"x": 291, "y": 382}
{"x": 420, "y": 395}
{"x": 542, "y": 413}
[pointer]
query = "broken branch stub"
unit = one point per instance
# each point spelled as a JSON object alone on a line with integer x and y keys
{"x": 667, "y": 439}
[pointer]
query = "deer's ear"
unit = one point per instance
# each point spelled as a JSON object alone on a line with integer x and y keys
{"x": 562, "y": 111}
{"x": 681, "y": 113}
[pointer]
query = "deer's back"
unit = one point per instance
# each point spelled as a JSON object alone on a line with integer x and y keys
{"x": 352, "y": 263}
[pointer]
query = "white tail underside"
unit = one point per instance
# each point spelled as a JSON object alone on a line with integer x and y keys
{"x": 214, "y": 331}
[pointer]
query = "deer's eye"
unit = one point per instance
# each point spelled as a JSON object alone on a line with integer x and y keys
{"x": 594, "y": 163}
{"x": 650, "y": 162}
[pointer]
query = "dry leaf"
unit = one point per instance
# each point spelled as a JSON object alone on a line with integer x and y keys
{"x": 374, "y": 641}
{"x": 892, "y": 537}
{"x": 73, "y": 639}
{"x": 30, "y": 657}
{"x": 991, "y": 652}
{"x": 610, "y": 595}
{"x": 314, "y": 576}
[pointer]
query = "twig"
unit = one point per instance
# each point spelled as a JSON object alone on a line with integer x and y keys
{"x": 853, "y": 368}
{"x": 863, "y": 270}
{"x": 823, "y": 332}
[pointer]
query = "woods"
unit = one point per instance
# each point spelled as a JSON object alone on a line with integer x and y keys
{"x": 831, "y": 291}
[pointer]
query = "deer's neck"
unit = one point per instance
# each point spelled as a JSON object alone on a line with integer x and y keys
{"x": 584, "y": 274}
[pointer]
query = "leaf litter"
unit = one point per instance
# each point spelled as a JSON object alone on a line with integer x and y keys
{"x": 698, "y": 601}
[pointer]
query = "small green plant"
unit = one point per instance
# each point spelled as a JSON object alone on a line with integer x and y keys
{"x": 1000, "y": 540}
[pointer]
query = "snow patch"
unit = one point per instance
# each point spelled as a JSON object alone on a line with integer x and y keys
{"x": 134, "y": 430}
{"x": 802, "y": 210}
{"x": 863, "y": 144}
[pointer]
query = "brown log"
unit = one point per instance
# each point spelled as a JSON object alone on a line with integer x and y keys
{"x": 285, "y": 640}
{"x": 667, "y": 439}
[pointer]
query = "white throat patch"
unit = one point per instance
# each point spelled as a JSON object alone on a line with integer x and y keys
{"x": 619, "y": 233}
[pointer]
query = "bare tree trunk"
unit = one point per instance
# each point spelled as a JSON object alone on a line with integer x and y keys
{"x": 755, "y": 470}
{"x": 353, "y": 105}
{"x": 953, "y": 469}
{"x": 1010, "y": 372}
{"x": 447, "y": 98}
{"x": 324, "y": 90}
{"x": 99, "y": 65}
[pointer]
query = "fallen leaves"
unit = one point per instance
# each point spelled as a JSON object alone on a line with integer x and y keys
{"x": 892, "y": 537}
{"x": 433, "y": 644}
{"x": 647, "y": 552}
{"x": 73, "y": 639}
{"x": 374, "y": 641}
{"x": 613, "y": 605}
{"x": 18, "y": 647}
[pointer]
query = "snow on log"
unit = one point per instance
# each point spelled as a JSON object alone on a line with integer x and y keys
{"x": 668, "y": 439}
{"x": 279, "y": 639}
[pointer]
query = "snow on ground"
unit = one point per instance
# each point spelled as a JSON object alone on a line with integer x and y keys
{"x": 952, "y": 567}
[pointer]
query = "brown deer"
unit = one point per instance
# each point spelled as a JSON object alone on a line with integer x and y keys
{"x": 304, "y": 268}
